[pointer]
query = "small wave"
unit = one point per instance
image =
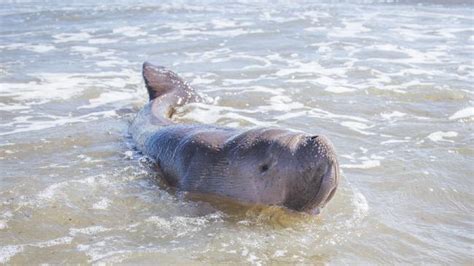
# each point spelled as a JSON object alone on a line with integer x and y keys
{"x": 85, "y": 49}
{"x": 338, "y": 89}
{"x": 213, "y": 114}
{"x": 357, "y": 127}
{"x": 108, "y": 98}
{"x": 37, "y": 48}
{"x": 364, "y": 165}
{"x": 59, "y": 190}
{"x": 6, "y": 252}
{"x": 3, "y": 224}
{"x": 91, "y": 230}
{"x": 281, "y": 103}
{"x": 102, "y": 41}
{"x": 361, "y": 208}
{"x": 441, "y": 135}
{"x": 389, "y": 116}
{"x": 350, "y": 29}
{"x": 33, "y": 125}
{"x": 130, "y": 31}
{"x": 71, "y": 37}
{"x": 53, "y": 242}
{"x": 463, "y": 113}
{"x": 392, "y": 141}
{"x": 180, "y": 226}
{"x": 103, "y": 204}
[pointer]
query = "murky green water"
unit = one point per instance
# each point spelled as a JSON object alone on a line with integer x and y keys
{"x": 389, "y": 84}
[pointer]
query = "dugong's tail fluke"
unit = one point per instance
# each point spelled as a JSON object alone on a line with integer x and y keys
{"x": 167, "y": 91}
{"x": 159, "y": 80}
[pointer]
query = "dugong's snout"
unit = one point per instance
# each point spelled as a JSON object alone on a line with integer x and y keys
{"x": 315, "y": 186}
{"x": 327, "y": 189}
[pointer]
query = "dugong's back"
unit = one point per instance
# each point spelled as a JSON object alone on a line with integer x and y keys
{"x": 261, "y": 165}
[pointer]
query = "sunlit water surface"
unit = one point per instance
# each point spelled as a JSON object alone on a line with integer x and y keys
{"x": 389, "y": 84}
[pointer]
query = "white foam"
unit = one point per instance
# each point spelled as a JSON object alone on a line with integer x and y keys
{"x": 312, "y": 68}
{"x": 315, "y": 29}
{"x": 223, "y": 23}
{"x": 88, "y": 159}
{"x": 40, "y": 48}
{"x": 202, "y": 80}
{"x": 184, "y": 224}
{"x": 463, "y": 113}
{"x": 102, "y": 41}
{"x": 361, "y": 208}
{"x": 320, "y": 113}
{"x": 270, "y": 16}
{"x": 7, "y": 252}
{"x": 51, "y": 191}
{"x": 54, "y": 165}
{"x": 92, "y": 180}
{"x": 279, "y": 253}
{"x": 35, "y": 125}
{"x": 254, "y": 260}
{"x": 179, "y": 225}
{"x": 226, "y": 33}
{"x": 51, "y": 86}
{"x": 84, "y": 49}
{"x": 129, "y": 155}
{"x": 59, "y": 190}
{"x": 112, "y": 63}
{"x": 357, "y": 126}
{"x": 37, "y": 48}
{"x": 71, "y": 37}
{"x": 465, "y": 69}
{"x": 389, "y": 116}
{"x": 230, "y": 82}
{"x": 103, "y": 204}
{"x": 281, "y": 103}
{"x": 290, "y": 115}
{"x": 204, "y": 115}
{"x": 159, "y": 221}
{"x": 129, "y": 31}
{"x": 338, "y": 89}
{"x": 3, "y": 224}
{"x": 252, "y": 121}
{"x": 364, "y": 165}
{"x": 53, "y": 242}
{"x": 91, "y": 230}
{"x": 108, "y": 98}
{"x": 212, "y": 114}
{"x": 441, "y": 135}
{"x": 350, "y": 29}
{"x": 377, "y": 157}
{"x": 390, "y": 141}
{"x": 12, "y": 107}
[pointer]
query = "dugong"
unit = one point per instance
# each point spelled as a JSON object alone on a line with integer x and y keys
{"x": 263, "y": 165}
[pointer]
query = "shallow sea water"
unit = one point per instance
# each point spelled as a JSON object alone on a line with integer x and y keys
{"x": 389, "y": 83}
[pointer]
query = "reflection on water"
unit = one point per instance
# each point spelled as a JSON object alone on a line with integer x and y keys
{"x": 389, "y": 82}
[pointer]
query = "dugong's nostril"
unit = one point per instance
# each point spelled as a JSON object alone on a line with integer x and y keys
{"x": 263, "y": 168}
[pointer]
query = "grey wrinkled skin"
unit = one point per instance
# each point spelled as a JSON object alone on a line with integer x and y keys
{"x": 268, "y": 166}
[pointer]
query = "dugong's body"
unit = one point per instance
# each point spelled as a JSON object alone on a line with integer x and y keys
{"x": 268, "y": 166}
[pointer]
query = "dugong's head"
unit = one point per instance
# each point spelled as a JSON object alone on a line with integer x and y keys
{"x": 286, "y": 168}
